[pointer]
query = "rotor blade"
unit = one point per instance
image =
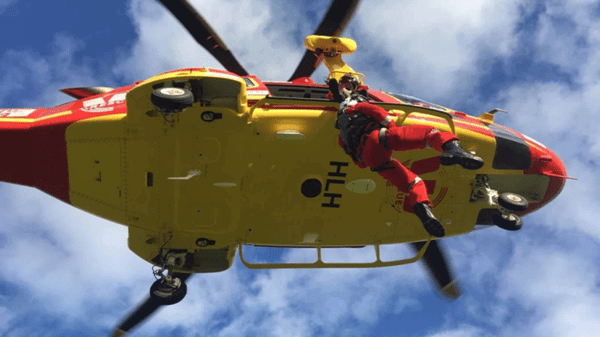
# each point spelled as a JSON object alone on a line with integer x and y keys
{"x": 83, "y": 92}
{"x": 335, "y": 21}
{"x": 147, "y": 308}
{"x": 143, "y": 311}
{"x": 203, "y": 33}
{"x": 439, "y": 269}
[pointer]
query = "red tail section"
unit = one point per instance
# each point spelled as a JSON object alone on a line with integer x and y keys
{"x": 33, "y": 149}
{"x": 33, "y": 146}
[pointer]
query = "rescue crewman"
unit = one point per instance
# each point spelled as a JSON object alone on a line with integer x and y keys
{"x": 369, "y": 135}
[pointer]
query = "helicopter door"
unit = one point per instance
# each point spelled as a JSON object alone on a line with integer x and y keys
{"x": 207, "y": 150}
{"x": 188, "y": 159}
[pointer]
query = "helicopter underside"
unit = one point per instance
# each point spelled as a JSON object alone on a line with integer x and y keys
{"x": 271, "y": 174}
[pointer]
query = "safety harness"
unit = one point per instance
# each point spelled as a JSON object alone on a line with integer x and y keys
{"x": 354, "y": 129}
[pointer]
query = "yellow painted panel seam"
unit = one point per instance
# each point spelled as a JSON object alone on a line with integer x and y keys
{"x": 81, "y": 195}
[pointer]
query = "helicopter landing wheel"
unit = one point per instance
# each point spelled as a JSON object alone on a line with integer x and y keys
{"x": 169, "y": 100}
{"x": 509, "y": 222}
{"x": 513, "y": 202}
{"x": 168, "y": 292}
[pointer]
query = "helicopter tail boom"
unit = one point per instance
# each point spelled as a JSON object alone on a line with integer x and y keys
{"x": 33, "y": 151}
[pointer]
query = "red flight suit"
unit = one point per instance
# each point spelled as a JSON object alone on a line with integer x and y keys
{"x": 399, "y": 138}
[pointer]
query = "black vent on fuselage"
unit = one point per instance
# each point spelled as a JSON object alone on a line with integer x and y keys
{"x": 278, "y": 90}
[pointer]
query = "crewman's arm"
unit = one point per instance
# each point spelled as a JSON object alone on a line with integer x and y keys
{"x": 334, "y": 90}
{"x": 374, "y": 111}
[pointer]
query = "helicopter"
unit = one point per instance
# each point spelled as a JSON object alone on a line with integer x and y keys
{"x": 137, "y": 155}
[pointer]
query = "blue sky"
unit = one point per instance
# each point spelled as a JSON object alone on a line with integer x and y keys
{"x": 66, "y": 273}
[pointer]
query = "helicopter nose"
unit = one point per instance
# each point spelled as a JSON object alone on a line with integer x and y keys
{"x": 552, "y": 165}
{"x": 546, "y": 163}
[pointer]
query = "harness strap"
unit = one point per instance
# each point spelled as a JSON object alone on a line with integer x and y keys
{"x": 386, "y": 120}
{"x": 417, "y": 179}
{"x": 384, "y": 166}
{"x": 383, "y": 138}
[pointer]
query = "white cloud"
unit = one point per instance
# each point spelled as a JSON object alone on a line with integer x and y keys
{"x": 5, "y": 317}
{"x": 561, "y": 289}
{"x": 64, "y": 246}
{"x": 435, "y": 47}
{"x": 261, "y": 44}
{"x": 5, "y": 4}
{"x": 271, "y": 302}
{"x": 462, "y": 331}
{"x": 562, "y": 113}
{"x": 27, "y": 73}
{"x": 327, "y": 298}
{"x": 568, "y": 36}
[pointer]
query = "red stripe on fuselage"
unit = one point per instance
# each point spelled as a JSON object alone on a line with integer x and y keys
{"x": 35, "y": 154}
{"x": 33, "y": 150}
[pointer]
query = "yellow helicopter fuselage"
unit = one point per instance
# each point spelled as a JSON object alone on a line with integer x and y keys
{"x": 270, "y": 173}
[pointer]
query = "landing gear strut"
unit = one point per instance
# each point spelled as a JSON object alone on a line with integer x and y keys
{"x": 167, "y": 289}
{"x": 505, "y": 203}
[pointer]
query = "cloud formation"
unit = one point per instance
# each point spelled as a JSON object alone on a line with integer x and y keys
{"x": 36, "y": 78}
{"x": 76, "y": 269}
{"x": 561, "y": 112}
{"x": 262, "y": 44}
{"x": 438, "y": 49}
{"x": 563, "y": 292}
{"x": 4, "y": 4}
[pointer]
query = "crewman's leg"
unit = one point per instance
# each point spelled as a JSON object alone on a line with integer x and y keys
{"x": 380, "y": 160}
{"x": 414, "y": 137}
{"x": 374, "y": 156}
{"x": 418, "y": 199}
{"x": 372, "y": 152}
{"x": 400, "y": 176}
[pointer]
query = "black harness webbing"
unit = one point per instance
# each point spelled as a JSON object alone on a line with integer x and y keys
{"x": 384, "y": 166}
{"x": 355, "y": 128}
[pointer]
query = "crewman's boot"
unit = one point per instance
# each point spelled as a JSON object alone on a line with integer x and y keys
{"x": 432, "y": 225}
{"x": 455, "y": 154}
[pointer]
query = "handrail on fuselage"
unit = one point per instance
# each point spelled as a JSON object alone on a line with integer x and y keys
{"x": 418, "y": 109}
{"x": 274, "y": 101}
{"x": 320, "y": 264}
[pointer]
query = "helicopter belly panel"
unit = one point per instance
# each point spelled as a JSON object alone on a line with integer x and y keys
{"x": 142, "y": 158}
{"x": 94, "y": 161}
{"x": 303, "y": 190}
{"x": 206, "y": 183}
{"x": 183, "y": 169}
{"x": 97, "y": 173}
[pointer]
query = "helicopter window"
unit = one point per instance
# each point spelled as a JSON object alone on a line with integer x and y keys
{"x": 417, "y": 101}
{"x": 249, "y": 83}
{"x": 512, "y": 153}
